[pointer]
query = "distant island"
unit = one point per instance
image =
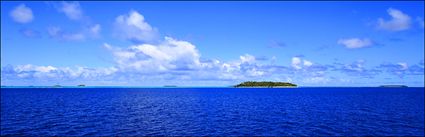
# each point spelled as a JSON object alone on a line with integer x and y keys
{"x": 393, "y": 86}
{"x": 81, "y": 85}
{"x": 266, "y": 84}
{"x": 57, "y": 86}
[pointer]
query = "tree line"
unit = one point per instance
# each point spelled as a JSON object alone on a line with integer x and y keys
{"x": 265, "y": 84}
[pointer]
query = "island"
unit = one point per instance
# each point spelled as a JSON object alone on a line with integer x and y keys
{"x": 57, "y": 86}
{"x": 81, "y": 85}
{"x": 393, "y": 86}
{"x": 265, "y": 84}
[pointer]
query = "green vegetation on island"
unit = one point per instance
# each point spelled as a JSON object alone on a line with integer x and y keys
{"x": 393, "y": 86}
{"x": 267, "y": 84}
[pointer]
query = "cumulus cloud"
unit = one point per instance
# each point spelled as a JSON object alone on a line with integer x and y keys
{"x": 296, "y": 62}
{"x": 247, "y": 58}
{"x": 403, "y": 65}
{"x": 133, "y": 27}
{"x": 354, "y": 43}
{"x": 399, "y": 21}
{"x": 307, "y": 63}
{"x": 170, "y": 54}
{"x": 299, "y": 63}
{"x": 181, "y": 58}
{"x": 22, "y": 14}
{"x": 72, "y": 10}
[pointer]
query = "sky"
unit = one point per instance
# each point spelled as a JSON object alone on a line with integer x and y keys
{"x": 207, "y": 43}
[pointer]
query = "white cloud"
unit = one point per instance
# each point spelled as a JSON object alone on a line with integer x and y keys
{"x": 22, "y": 14}
{"x": 120, "y": 54}
{"x": 353, "y": 43}
{"x": 247, "y": 58}
{"x": 399, "y": 21}
{"x": 72, "y": 10}
{"x": 65, "y": 73}
{"x": 25, "y": 71}
{"x": 171, "y": 54}
{"x": 212, "y": 70}
{"x": 30, "y": 67}
{"x": 296, "y": 62}
{"x": 403, "y": 66}
{"x": 307, "y": 63}
{"x": 299, "y": 63}
{"x": 133, "y": 27}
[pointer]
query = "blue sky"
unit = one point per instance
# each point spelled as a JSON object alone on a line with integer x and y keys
{"x": 212, "y": 43}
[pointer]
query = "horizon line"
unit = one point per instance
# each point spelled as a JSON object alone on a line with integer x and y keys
{"x": 380, "y": 86}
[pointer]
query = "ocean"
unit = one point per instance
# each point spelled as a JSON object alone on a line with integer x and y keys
{"x": 212, "y": 111}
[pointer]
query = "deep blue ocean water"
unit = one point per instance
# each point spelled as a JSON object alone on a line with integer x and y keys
{"x": 212, "y": 111}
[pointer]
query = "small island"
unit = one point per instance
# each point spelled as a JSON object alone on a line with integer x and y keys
{"x": 265, "y": 84}
{"x": 81, "y": 85}
{"x": 393, "y": 86}
{"x": 57, "y": 86}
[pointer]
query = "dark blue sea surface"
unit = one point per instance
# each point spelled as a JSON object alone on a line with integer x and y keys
{"x": 212, "y": 111}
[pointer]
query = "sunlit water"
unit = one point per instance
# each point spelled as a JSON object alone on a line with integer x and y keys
{"x": 212, "y": 111}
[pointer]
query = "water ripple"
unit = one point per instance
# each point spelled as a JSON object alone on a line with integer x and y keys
{"x": 211, "y": 112}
